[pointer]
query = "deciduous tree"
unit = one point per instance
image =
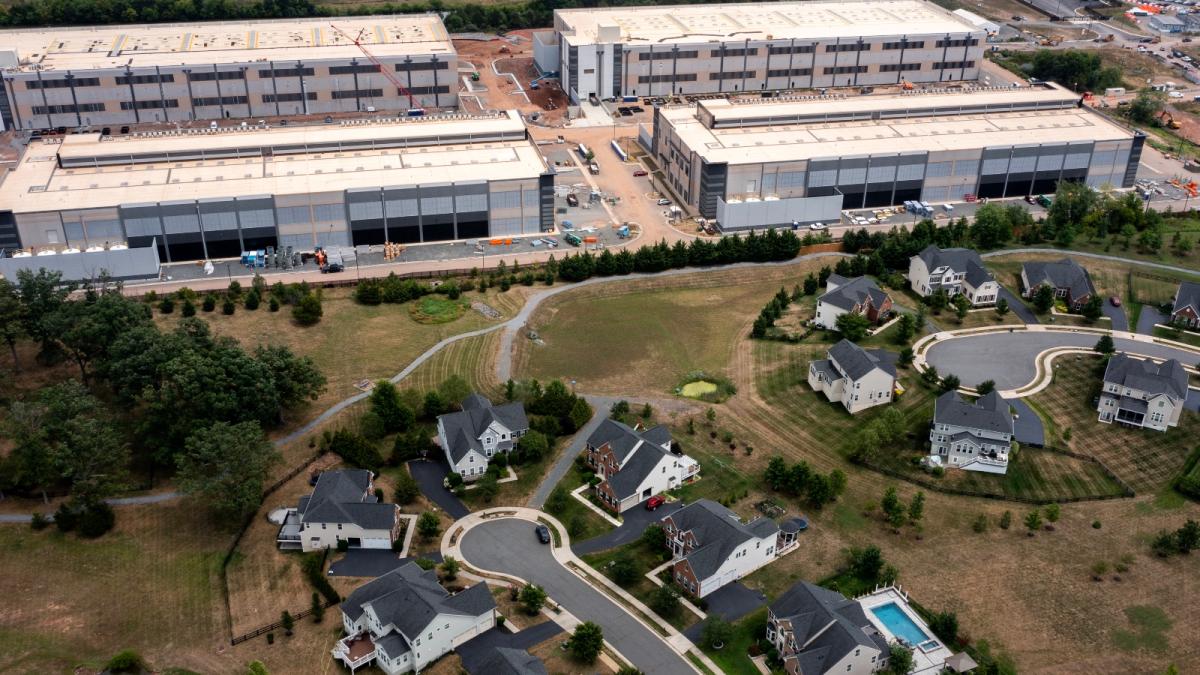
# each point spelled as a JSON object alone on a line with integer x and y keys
{"x": 226, "y": 466}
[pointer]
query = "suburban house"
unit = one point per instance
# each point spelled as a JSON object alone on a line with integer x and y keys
{"x": 473, "y": 435}
{"x": 509, "y": 661}
{"x": 1186, "y": 310}
{"x": 818, "y": 631}
{"x": 859, "y": 295}
{"x": 635, "y": 465}
{"x": 713, "y": 547}
{"x": 955, "y": 270}
{"x": 404, "y": 620}
{"x": 1142, "y": 393}
{"x": 1069, "y": 280}
{"x": 973, "y": 436}
{"x": 342, "y": 507}
{"x": 853, "y": 377}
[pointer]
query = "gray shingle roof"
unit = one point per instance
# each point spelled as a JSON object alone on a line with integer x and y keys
{"x": 1144, "y": 375}
{"x": 1065, "y": 273}
{"x": 464, "y": 428}
{"x": 638, "y": 451}
{"x": 341, "y": 497}
{"x": 853, "y": 292}
{"x": 622, "y": 439}
{"x": 409, "y": 598}
{"x": 508, "y": 661}
{"x": 1188, "y": 295}
{"x": 958, "y": 259}
{"x": 718, "y": 532}
{"x": 856, "y": 362}
{"x": 393, "y": 644}
{"x": 825, "y": 366}
{"x": 989, "y": 413}
{"x": 826, "y": 626}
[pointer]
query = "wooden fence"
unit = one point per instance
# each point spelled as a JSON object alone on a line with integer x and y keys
{"x": 275, "y": 626}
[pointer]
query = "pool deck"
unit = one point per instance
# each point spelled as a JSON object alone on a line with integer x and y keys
{"x": 931, "y": 661}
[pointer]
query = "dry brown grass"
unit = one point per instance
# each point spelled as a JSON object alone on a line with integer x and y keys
{"x": 641, "y": 337}
{"x": 150, "y": 585}
{"x": 352, "y": 342}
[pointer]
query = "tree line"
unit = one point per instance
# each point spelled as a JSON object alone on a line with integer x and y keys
{"x": 459, "y": 16}
{"x": 182, "y": 400}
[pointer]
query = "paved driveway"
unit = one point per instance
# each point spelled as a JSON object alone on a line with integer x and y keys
{"x": 633, "y": 523}
{"x": 1027, "y": 428}
{"x": 508, "y": 545}
{"x": 1008, "y": 358}
{"x": 600, "y": 408}
{"x": 1119, "y": 320}
{"x": 429, "y": 474}
{"x": 1017, "y": 306}
{"x": 476, "y": 650}
{"x": 1147, "y": 319}
{"x": 730, "y": 602}
{"x": 361, "y": 562}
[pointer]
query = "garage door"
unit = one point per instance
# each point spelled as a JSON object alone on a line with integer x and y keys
{"x": 376, "y": 543}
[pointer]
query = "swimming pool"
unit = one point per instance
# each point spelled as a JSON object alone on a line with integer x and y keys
{"x": 896, "y": 621}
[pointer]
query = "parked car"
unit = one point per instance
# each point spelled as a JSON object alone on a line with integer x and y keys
{"x": 969, "y": 197}
{"x": 654, "y": 502}
{"x": 664, "y": 202}
{"x": 818, "y": 226}
{"x": 543, "y": 533}
{"x": 1176, "y": 94}
{"x": 640, "y": 172}
{"x": 572, "y": 200}
{"x": 1115, "y": 301}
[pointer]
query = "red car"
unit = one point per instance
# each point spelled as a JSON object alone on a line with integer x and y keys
{"x": 639, "y": 172}
{"x": 1116, "y": 302}
{"x": 654, "y": 503}
{"x": 970, "y": 197}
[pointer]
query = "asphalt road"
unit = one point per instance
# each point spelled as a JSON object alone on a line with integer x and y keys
{"x": 507, "y": 545}
{"x": 1018, "y": 306}
{"x": 1009, "y": 358}
{"x": 600, "y": 408}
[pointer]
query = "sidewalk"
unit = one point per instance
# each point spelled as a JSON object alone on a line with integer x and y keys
{"x": 562, "y": 553}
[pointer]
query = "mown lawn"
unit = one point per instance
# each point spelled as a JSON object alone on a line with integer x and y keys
{"x": 734, "y": 657}
{"x": 581, "y": 522}
{"x": 643, "y": 336}
{"x": 1147, "y": 460}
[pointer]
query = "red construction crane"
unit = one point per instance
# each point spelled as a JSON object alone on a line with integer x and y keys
{"x": 357, "y": 40}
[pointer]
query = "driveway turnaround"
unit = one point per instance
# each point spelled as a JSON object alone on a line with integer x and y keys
{"x": 476, "y": 650}
{"x": 633, "y": 523}
{"x": 429, "y": 474}
{"x": 1008, "y": 358}
{"x": 1149, "y": 317}
{"x": 507, "y": 545}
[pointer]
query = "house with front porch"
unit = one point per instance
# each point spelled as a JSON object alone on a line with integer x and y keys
{"x": 635, "y": 465}
{"x": 342, "y": 507}
{"x": 1186, "y": 309}
{"x": 974, "y": 436}
{"x": 712, "y": 547}
{"x": 475, "y": 434}
{"x": 404, "y": 620}
{"x": 1070, "y": 281}
{"x": 859, "y": 295}
{"x": 1141, "y": 393}
{"x": 954, "y": 270}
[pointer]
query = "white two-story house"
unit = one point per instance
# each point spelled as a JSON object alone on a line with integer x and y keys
{"x": 973, "y": 436}
{"x": 955, "y": 270}
{"x": 819, "y": 632}
{"x": 342, "y": 507}
{"x": 1142, "y": 393}
{"x": 853, "y": 377}
{"x": 404, "y": 620}
{"x": 859, "y": 295}
{"x": 713, "y": 547}
{"x": 635, "y": 465}
{"x": 472, "y": 436}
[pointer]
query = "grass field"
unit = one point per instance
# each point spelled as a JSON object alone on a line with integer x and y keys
{"x": 643, "y": 589}
{"x": 436, "y": 309}
{"x": 1185, "y": 337}
{"x": 470, "y": 358}
{"x": 643, "y": 336}
{"x": 151, "y": 585}
{"x": 1147, "y": 460}
{"x": 352, "y": 342}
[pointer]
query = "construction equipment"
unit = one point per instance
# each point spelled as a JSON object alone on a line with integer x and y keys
{"x": 413, "y": 110}
{"x": 906, "y": 85}
{"x": 1166, "y": 119}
